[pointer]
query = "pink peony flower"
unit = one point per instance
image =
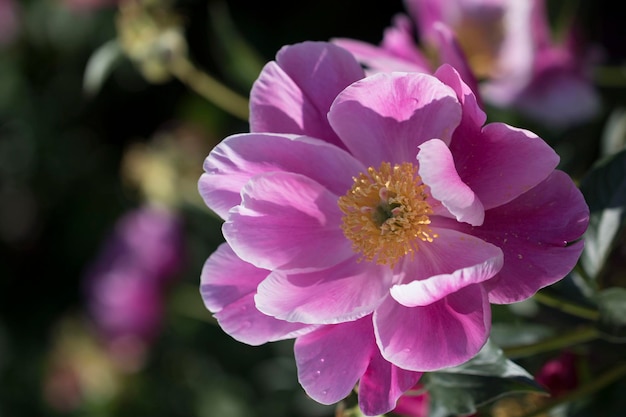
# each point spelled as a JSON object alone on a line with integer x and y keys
{"x": 506, "y": 44}
{"x": 126, "y": 284}
{"x": 374, "y": 219}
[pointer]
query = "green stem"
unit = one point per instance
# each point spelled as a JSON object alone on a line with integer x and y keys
{"x": 580, "y": 335}
{"x": 566, "y": 306}
{"x": 596, "y": 384}
{"x": 209, "y": 88}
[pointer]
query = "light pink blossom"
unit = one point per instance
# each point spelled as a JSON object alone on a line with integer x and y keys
{"x": 506, "y": 44}
{"x": 374, "y": 219}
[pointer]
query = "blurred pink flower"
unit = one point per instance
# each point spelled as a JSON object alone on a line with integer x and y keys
{"x": 559, "y": 375}
{"x": 398, "y": 51}
{"x": 127, "y": 282}
{"x": 505, "y": 44}
{"x": 9, "y": 24}
{"x": 413, "y": 404}
{"x": 375, "y": 219}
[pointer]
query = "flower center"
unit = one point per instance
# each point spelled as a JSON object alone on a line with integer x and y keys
{"x": 480, "y": 38}
{"x": 386, "y": 213}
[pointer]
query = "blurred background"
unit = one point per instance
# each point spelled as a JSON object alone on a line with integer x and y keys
{"x": 102, "y": 232}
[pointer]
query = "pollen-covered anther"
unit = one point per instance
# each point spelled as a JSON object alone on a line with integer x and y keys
{"x": 386, "y": 214}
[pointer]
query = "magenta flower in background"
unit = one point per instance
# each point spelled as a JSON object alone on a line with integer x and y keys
{"x": 127, "y": 282}
{"x": 413, "y": 404}
{"x": 506, "y": 44}
{"x": 9, "y": 23}
{"x": 559, "y": 375}
{"x": 375, "y": 219}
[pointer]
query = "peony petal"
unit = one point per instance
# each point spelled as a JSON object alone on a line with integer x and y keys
{"x": 385, "y": 117}
{"x": 397, "y": 52}
{"x": 382, "y": 384}
{"x": 443, "y": 334}
{"x": 238, "y": 158}
{"x": 502, "y": 162}
{"x": 473, "y": 115}
{"x": 426, "y": 13}
{"x": 534, "y": 231}
{"x": 450, "y": 52}
{"x": 225, "y": 279}
{"x": 286, "y": 221}
{"x": 459, "y": 259}
{"x": 377, "y": 59}
{"x": 399, "y": 39}
{"x": 294, "y": 94}
{"x": 436, "y": 167}
{"x": 228, "y": 286}
{"x": 243, "y": 322}
{"x": 332, "y": 359}
{"x": 344, "y": 292}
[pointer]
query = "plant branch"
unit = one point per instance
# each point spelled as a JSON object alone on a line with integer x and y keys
{"x": 580, "y": 335}
{"x": 566, "y": 306}
{"x": 209, "y": 88}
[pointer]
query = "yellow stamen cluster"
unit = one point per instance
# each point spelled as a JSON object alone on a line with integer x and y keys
{"x": 386, "y": 213}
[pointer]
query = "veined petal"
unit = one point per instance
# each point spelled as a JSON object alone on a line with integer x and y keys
{"x": 232, "y": 163}
{"x": 294, "y": 93}
{"x": 443, "y": 334}
{"x": 344, "y": 292}
{"x": 243, "y": 322}
{"x": 332, "y": 359}
{"x": 385, "y": 117}
{"x": 382, "y": 384}
{"x": 535, "y": 231}
{"x": 228, "y": 285}
{"x": 436, "y": 167}
{"x": 225, "y": 279}
{"x": 461, "y": 260}
{"x": 502, "y": 162}
{"x": 285, "y": 221}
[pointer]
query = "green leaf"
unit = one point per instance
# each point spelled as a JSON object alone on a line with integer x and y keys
{"x": 100, "y": 65}
{"x": 519, "y": 334}
{"x": 486, "y": 377}
{"x": 458, "y": 394}
{"x": 490, "y": 361}
{"x": 604, "y": 189}
{"x": 612, "y": 308}
{"x": 614, "y": 134}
